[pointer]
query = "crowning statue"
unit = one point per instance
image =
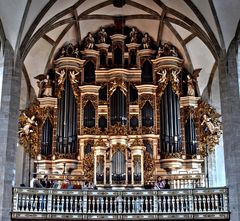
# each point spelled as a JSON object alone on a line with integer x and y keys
{"x": 146, "y": 41}
{"x": 102, "y": 35}
{"x": 133, "y": 35}
{"x": 89, "y": 41}
{"x": 167, "y": 50}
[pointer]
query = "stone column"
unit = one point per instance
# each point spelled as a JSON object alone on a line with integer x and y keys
{"x": 230, "y": 105}
{"x": 8, "y": 131}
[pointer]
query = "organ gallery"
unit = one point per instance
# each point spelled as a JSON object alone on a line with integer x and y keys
{"x": 118, "y": 110}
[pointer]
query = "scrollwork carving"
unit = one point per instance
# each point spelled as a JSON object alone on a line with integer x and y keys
{"x": 89, "y": 97}
{"x": 144, "y": 98}
{"x": 149, "y": 167}
{"x": 118, "y": 129}
{"x": 88, "y": 166}
{"x": 119, "y": 147}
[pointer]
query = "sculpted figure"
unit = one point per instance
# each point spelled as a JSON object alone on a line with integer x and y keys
{"x": 102, "y": 35}
{"x": 89, "y": 42}
{"x": 208, "y": 121}
{"x": 47, "y": 88}
{"x": 73, "y": 76}
{"x": 133, "y": 35}
{"x": 190, "y": 86}
{"x": 146, "y": 41}
{"x": 27, "y": 128}
{"x": 163, "y": 76}
{"x": 61, "y": 76}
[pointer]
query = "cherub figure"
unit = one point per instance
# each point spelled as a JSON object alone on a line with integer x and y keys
{"x": 27, "y": 128}
{"x": 102, "y": 35}
{"x": 61, "y": 76}
{"x": 73, "y": 77}
{"x": 175, "y": 76}
{"x": 163, "y": 76}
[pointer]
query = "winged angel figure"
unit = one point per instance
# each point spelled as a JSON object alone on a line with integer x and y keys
{"x": 28, "y": 124}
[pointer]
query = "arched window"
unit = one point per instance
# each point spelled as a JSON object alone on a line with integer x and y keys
{"x": 118, "y": 56}
{"x": 134, "y": 122}
{"x": 103, "y": 93}
{"x": 133, "y": 93}
{"x": 147, "y": 76}
{"x": 89, "y": 72}
{"x": 118, "y": 107}
{"x": 103, "y": 58}
{"x": 89, "y": 115}
{"x": 147, "y": 115}
{"x": 46, "y": 142}
{"x": 87, "y": 149}
{"x": 149, "y": 149}
{"x": 102, "y": 123}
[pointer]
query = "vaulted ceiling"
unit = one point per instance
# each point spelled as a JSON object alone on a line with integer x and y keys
{"x": 199, "y": 29}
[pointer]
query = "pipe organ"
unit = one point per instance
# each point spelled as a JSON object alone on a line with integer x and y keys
{"x": 120, "y": 112}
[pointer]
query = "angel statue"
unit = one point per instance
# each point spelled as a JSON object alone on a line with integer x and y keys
{"x": 73, "y": 76}
{"x": 29, "y": 123}
{"x": 163, "y": 76}
{"x": 208, "y": 121}
{"x": 61, "y": 76}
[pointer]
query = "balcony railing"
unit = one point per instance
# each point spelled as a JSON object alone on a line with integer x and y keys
{"x": 183, "y": 204}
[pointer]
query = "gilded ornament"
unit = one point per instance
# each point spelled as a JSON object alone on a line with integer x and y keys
{"x": 148, "y": 166}
{"x": 209, "y": 127}
{"x": 88, "y": 166}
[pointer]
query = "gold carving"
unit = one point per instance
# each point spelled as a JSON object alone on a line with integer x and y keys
{"x": 118, "y": 129}
{"x": 209, "y": 128}
{"x": 118, "y": 83}
{"x": 90, "y": 97}
{"x": 119, "y": 147}
{"x": 137, "y": 142}
{"x": 177, "y": 155}
{"x": 88, "y": 166}
{"x": 148, "y": 167}
{"x": 144, "y": 98}
{"x": 167, "y": 75}
{"x": 29, "y": 124}
{"x": 100, "y": 142}
{"x": 147, "y": 130}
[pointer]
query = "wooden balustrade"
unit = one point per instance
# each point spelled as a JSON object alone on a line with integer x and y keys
{"x": 107, "y": 204}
